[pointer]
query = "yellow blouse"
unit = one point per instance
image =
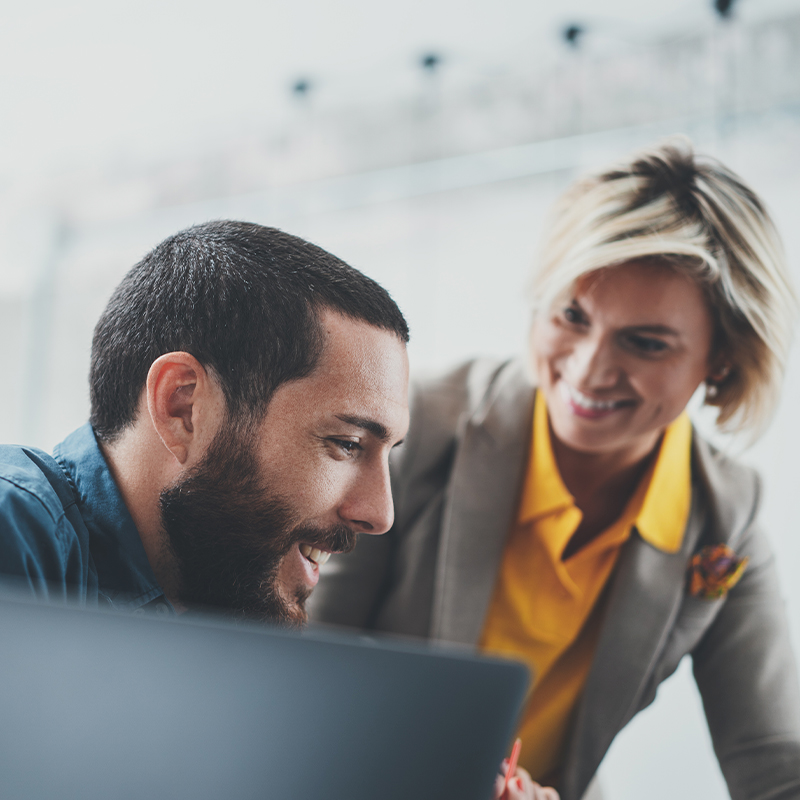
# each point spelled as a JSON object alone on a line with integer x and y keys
{"x": 542, "y": 608}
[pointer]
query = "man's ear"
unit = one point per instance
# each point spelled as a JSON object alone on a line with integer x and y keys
{"x": 185, "y": 404}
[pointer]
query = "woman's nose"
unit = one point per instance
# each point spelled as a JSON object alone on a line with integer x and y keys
{"x": 593, "y": 365}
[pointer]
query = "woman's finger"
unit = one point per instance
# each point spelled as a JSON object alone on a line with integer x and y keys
{"x": 499, "y": 785}
{"x": 544, "y": 793}
{"x": 521, "y": 787}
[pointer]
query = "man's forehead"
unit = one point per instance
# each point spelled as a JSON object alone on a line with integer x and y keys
{"x": 359, "y": 354}
{"x": 361, "y": 379}
{"x": 345, "y": 336}
{"x": 373, "y": 408}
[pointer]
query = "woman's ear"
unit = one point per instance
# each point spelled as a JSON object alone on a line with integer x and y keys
{"x": 717, "y": 375}
{"x": 719, "y": 372}
{"x": 185, "y": 405}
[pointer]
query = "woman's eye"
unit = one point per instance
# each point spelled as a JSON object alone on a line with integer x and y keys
{"x": 647, "y": 344}
{"x": 574, "y": 315}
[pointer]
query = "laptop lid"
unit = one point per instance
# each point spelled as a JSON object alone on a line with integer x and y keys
{"x": 95, "y": 705}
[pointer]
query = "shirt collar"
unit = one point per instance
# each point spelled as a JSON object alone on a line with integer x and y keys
{"x": 661, "y": 518}
{"x": 544, "y": 492}
{"x": 123, "y": 572}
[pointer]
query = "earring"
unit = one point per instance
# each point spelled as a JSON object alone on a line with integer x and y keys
{"x": 713, "y": 381}
{"x": 720, "y": 375}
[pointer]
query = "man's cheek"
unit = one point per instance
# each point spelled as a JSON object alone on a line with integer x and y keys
{"x": 316, "y": 495}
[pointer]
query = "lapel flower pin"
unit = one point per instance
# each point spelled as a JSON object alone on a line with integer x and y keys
{"x": 714, "y": 571}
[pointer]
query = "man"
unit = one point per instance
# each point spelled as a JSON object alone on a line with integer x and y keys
{"x": 246, "y": 390}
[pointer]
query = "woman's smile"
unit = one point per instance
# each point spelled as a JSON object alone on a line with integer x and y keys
{"x": 622, "y": 357}
{"x": 582, "y": 405}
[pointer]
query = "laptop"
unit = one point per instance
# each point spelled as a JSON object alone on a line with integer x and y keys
{"x": 96, "y": 705}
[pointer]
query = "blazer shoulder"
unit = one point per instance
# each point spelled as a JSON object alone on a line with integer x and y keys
{"x": 441, "y": 399}
{"x": 440, "y": 403}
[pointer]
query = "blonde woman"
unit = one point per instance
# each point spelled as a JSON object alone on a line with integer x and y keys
{"x": 579, "y": 522}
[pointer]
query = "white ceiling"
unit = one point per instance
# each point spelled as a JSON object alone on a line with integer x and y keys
{"x": 93, "y": 80}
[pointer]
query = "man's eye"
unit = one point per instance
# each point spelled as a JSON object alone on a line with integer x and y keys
{"x": 347, "y": 445}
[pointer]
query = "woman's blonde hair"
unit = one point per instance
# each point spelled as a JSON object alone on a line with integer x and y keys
{"x": 697, "y": 216}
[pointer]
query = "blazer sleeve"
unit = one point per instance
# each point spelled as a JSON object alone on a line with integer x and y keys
{"x": 747, "y": 676}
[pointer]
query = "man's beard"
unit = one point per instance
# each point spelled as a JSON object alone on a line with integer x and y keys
{"x": 228, "y": 534}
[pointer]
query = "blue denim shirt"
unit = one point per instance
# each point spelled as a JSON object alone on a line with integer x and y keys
{"x": 65, "y": 532}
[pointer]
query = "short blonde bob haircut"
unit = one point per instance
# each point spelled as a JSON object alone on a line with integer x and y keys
{"x": 695, "y": 216}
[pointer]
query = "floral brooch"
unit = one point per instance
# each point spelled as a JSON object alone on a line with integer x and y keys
{"x": 714, "y": 571}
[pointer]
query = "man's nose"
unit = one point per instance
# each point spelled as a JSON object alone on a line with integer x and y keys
{"x": 368, "y": 506}
{"x": 594, "y": 365}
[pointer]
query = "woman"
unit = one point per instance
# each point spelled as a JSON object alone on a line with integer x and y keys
{"x": 583, "y": 526}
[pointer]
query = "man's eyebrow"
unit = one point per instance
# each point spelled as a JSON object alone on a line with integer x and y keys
{"x": 378, "y": 430}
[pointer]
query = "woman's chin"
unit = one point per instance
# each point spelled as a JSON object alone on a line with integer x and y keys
{"x": 597, "y": 436}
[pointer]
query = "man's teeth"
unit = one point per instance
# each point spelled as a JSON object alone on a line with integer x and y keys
{"x": 314, "y": 554}
{"x": 580, "y": 399}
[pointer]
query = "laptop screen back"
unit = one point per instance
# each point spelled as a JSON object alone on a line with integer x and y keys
{"x": 97, "y": 706}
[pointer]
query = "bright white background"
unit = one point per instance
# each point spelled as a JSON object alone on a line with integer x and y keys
{"x": 122, "y": 122}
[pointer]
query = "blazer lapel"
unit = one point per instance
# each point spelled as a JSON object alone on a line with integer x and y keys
{"x": 643, "y": 603}
{"x": 480, "y": 506}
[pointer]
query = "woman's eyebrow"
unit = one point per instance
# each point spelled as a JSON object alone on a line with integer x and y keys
{"x": 661, "y": 330}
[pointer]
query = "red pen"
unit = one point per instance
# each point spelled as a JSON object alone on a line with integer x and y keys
{"x": 512, "y": 763}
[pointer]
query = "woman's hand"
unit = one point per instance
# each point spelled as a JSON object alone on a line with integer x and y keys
{"x": 521, "y": 787}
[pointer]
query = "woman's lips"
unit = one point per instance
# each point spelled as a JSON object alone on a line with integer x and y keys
{"x": 589, "y": 408}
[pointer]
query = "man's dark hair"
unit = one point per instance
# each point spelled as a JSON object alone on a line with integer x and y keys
{"x": 243, "y": 299}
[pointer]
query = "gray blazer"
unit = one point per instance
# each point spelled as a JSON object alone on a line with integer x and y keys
{"x": 456, "y": 485}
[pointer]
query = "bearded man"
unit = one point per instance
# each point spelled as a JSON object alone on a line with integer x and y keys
{"x": 246, "y": 390}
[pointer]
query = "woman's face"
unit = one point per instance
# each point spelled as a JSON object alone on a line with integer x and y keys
{"x": 621, "y": 358}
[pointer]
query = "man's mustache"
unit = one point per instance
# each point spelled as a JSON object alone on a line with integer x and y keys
{"x": 336, "y": 539}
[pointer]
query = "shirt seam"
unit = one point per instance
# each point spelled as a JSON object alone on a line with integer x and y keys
{"x": 68, "y": 475}
{"x": 56, "y": 519}
{"x": 60, "y": 523}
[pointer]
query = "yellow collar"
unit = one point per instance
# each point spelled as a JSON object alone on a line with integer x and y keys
{"x": 662, "y": 516}
{"x": 665, "y": 511}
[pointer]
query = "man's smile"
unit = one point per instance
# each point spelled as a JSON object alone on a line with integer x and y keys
{"x": 301, "y": 565}
{"x": 319, "y": 557}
